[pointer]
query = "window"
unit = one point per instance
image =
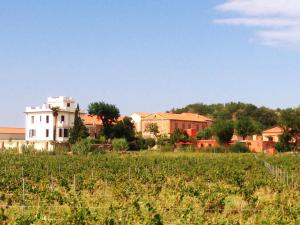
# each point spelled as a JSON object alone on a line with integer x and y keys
{"x": 68, "y": 104}
{"x": 62, "y": 118}
{"x": 40, "y": 118}
{"x": 183, "y": 126}
{"x": 47, "y": 119}
{"x": 31, "y": 133}
{"x": 32, "y": 119}
{"x": 66, "y": 133}
{"x": 197, "y": 127}
{"x": 60, "y": 133}
{"x": 176, "y": 126}
{"x": 189, "y": 126}
{"x": 47, "y": 132}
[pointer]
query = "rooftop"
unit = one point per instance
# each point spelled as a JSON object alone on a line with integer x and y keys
{"x": 12, "y": 130}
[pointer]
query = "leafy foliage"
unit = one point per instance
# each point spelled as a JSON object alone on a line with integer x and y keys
{"x": 246, "y": 126}
{"x": 206, "y": 134}
{"x": 223, "y": 130}
{"x": 152, "y": 128}
{"x": 79, "y": 130}
{"x": 120, "y": 144}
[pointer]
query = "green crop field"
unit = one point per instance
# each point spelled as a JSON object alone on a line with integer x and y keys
{"x": 147, "y": 188}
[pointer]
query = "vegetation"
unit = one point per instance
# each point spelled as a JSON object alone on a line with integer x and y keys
{"x": 146, "y": 188}
{"x": 79, "y": 130}
{"x": 205, "y": 135}
{"x": 152, "y": 128}
{"x": 223, "y": 130}
{"x": 120, "y": 144}
{"x": 55, "y": 111}
{"x": 246, "y": 126}
{"x": 107, "y": 113}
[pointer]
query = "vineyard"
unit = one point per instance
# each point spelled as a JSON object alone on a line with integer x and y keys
{"x": 147, "y": 188}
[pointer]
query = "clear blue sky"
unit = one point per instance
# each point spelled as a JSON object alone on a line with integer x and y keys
{"x": 142, "y": 55}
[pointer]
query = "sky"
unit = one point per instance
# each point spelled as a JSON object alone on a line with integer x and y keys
{"x": 148, "y": 55}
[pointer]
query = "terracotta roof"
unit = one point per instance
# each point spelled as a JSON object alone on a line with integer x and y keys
{"x": 183, "y": 117}
{"x": 93, "y": 120}
{"x": 278, "y": 130}
{"x": 142, "y": 114}
{"x": 12, "y": 130}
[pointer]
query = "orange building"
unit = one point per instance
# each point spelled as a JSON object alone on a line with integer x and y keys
{"x": 272, "y": 134}
{"x": 168, "y": 122}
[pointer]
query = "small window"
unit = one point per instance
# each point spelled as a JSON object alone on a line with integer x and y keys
{"x": 66, "y": 133}
{"x": 189, "y": 126}
{"x": 40, "y": 118}
{"x": 183, "y": 126}
{"x": 176, "y": 125}
{"x": 68, "y": 104}
{"x": 62, "y": 118}
{"x": 32, "y": 119}
{"x": 60, "y": 132}
{"x": 47, "y": 119}
{"x": 32, "y": 133}
{"x": 47, "y": 132}
{"x": 197, "y": 127}
{"x": 209, "y": 145}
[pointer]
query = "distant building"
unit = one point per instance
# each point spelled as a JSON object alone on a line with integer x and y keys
{"x": 40, "y": 121}
{"x": 10, "y": 133}
{"x": 93, "y": 124}
{"x": 168, "y": 122}
{"x": 272, "y": 134}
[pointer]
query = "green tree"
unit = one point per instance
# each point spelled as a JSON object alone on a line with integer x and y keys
{"x": 152, "y": 128}
{"x": 124, "y": 129}
{"x": 179, "y": 136}
{"x": 206, "y": 134}
{"x": 246, "y": 126}
{"x": 79, "y": 130}
{"x": 120, "y": 144}
{"x": 223, "y": 130}
{"x": 107, "y": 113}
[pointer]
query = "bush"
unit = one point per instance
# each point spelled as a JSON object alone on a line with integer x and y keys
{"x": 239, "y": 148}
{"x": 82, "y": 147}
{"x": 120, "y": 144}
{"x": 150, "y": 142}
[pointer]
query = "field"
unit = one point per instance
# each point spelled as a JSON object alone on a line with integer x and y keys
{"x": 148, "y": 188}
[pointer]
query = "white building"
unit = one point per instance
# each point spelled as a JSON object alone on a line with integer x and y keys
{"x": 40, "y": 122}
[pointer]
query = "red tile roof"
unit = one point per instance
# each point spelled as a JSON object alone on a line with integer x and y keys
{"x": 182, "y": 117}
{"x": 12, "y": 130}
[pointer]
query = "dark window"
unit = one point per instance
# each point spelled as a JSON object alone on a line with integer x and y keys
{"x": 31, "y": 133}
{"x": 66, "y": 133}
{"x": 189, "y": 126}
{"x": 60, "y": 132}
{"x": 68, "y": 104}
{"x": 47, "y": 132}
{"x": 183, "y": 126}
{"x": 62, "y": 119}
{"x": 40, "y": 118}
{"x": 197, "y": 127}
{"x": 32, "y": 119}
{"x": 47, "y": 119}
{"x": 209, "y": 145}
{"x": 176, "y": 125}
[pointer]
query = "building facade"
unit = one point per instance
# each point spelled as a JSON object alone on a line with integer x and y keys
{"x": 44, "y": 126}
{"x": 169, "y": 122}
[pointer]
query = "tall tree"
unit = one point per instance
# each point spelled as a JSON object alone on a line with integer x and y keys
{"x": 246, "y": 126}
{"x": 223, "y": 130}
{"x": 55, "y": 111}
{"x": 107, "y": 113}
{"x": 124, "y": 129}
{"x": 79, "y": 130}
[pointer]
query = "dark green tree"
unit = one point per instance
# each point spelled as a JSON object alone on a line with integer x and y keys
{"x": 223, "y": 130}
{"x": 152, "y": 128}
{"x": 246, "y": 126}
{"x": 124, "y": 129}
{"x": 79, "y": 130}
{"x": 206, "y": 134}
{"x": 107, "y": 113}
{"x": 179, "y": 136}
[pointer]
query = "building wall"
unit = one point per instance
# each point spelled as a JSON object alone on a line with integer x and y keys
{"x": 18, "y": 144}
{"x": 137, "y": 119}
{"x": 35, "y": 120}
{"x": 12, "y": 136}
{"x": 184, "y": 125}
{"x": 163, "y": 126}
{"x": 274, "y": 136}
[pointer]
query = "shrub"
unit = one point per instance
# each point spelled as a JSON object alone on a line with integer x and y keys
{"x": 239, "y": 147}
{"x": 150, "y": 142}
{"x": 82, "y": 147}
{"x": 120, "y": 144}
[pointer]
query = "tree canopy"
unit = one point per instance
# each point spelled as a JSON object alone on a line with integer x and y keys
{"x": 223, "y": 130}
{"x": 79, "y": 130}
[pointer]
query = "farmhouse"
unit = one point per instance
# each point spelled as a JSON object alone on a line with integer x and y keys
{"x": 168, "y": 122}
